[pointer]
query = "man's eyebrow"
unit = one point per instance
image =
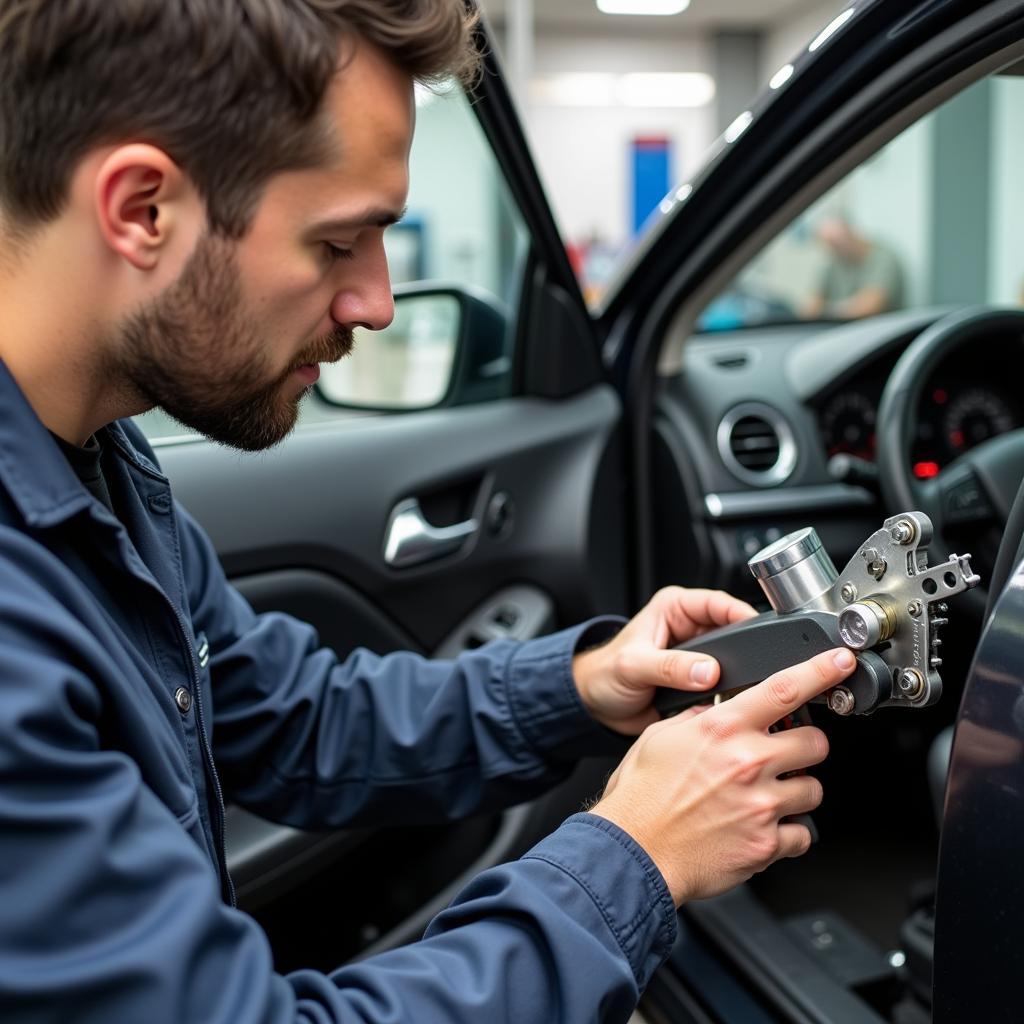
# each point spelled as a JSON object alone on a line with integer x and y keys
{"x": 377, "y": 217}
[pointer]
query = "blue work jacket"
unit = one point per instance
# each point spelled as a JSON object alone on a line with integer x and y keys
{"x": 138, "y": 688}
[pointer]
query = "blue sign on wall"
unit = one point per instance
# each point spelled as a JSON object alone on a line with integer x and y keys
{"x": 651, "y": 156}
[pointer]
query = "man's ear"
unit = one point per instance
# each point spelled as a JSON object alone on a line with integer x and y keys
{"x": 144, "y": 203}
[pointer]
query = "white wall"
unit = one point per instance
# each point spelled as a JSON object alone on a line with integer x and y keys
{"x": 583, "y": 153}
{"x": 1006, "y": 255}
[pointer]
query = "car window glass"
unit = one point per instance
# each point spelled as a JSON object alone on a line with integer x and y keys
{"x": 461, "y": 227}
{"x": 935, "y": 217}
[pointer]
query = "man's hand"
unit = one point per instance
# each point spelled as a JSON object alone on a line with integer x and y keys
{"x": 617, "y": 681}
{"x": 701, "y": 792}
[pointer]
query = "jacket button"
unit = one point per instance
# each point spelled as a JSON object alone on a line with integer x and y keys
{"x": 183, "y": 699}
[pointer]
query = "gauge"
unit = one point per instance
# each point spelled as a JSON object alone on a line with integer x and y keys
{"x": 848, "y": 423}
{"x": 975, "y": 416}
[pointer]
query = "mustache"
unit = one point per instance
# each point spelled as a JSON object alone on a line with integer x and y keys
{"x": 328, "y": 348}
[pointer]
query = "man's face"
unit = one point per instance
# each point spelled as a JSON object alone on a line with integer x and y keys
{"x": 233, "y": 345}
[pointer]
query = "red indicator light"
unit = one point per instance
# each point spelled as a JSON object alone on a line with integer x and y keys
{"x": 957, "y": 438}
{"x": 939, "y": 396}
{"x": 926, "y": 470}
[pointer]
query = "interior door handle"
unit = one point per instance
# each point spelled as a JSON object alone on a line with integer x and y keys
{"x": 410, "y": 539}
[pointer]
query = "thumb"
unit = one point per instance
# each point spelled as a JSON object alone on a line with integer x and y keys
{"x": 680, "y": 670}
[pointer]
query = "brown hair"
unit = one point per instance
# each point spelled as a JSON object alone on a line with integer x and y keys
{"x": 231, "y": 89}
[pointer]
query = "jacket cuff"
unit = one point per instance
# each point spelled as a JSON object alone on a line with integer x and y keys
{"x": 623, "y": 883}
{"x": 543, "y": 698}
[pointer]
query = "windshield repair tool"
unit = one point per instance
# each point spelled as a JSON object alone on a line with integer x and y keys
{"x": 887, "y": 606}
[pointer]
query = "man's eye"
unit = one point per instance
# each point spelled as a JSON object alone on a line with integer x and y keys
{"x": 335, "y": 252}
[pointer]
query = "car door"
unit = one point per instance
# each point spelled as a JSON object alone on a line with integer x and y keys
{"x": 461, "y": 481}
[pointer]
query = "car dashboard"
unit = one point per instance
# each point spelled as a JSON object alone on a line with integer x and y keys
{"x": 765, "y": 430}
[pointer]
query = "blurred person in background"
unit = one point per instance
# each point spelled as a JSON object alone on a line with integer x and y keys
{"x": 861, "y": 278}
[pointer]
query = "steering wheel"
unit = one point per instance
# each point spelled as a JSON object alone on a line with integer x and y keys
{"x": 978, "y": 489}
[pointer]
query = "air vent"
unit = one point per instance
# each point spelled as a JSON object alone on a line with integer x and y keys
{"x": 754, "y": 444}
{"x": 731, "y": 360}
{"x": 757, "y": 445}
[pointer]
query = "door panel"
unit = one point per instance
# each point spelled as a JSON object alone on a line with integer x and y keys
{"x": 322, "y": 501}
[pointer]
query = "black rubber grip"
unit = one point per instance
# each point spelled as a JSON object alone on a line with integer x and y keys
{"x": 750, "y": 651}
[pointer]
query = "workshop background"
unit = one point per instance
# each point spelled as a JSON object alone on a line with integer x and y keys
{"x": 619, "y": 109}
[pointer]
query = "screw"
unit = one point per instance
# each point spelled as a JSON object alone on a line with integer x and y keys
{"x": 911, "y": 683}
{"x": 876, "y": 563}
{"x": 903, "y": 532}
{"x": 841, "y": 701}
{"x": 915, "y": 608}
{"x": 848, "y": 593}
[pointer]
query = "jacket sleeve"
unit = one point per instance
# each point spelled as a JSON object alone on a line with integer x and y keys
{"x": 311, "y": 741}
{"x": 112, "y": 914}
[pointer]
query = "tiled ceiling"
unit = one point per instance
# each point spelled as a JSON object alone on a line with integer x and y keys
{"x": 701, "y": 15}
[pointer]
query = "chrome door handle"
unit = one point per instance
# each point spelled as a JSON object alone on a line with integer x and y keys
{"x": 410, "y": 539}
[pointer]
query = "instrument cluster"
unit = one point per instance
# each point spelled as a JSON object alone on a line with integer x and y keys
{"x": 973, "y": 395}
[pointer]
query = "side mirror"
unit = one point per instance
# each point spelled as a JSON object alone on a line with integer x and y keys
{"x": 448, "y": 345}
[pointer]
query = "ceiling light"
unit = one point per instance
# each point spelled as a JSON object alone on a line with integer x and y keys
{"x": 642, "y": 6}
{"x": 574, "y": 89}
{"x": 638, "y": 89}
{"x": 665, "y": 89}
{"x": 831, "y": 29}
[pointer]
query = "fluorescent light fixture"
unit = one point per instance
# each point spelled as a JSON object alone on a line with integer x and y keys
{"x": 739, "y": 126}
{"x": 642, "y": 6}
{"x": 574, "y": 89}
{"x": 781, "y": 77}
{"x": 831, "y": 29}
{"x": 638, "y": 89}
{"x": 665, "y": 89}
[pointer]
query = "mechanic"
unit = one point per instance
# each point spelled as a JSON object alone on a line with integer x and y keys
{"x": 863, "y": 276}
{"x": 192, "y": 199}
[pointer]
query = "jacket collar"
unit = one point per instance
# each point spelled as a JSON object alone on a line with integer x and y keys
{"x": 33, "y": 469}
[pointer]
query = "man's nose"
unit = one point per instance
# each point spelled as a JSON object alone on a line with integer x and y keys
{"x": 365, "y": 299}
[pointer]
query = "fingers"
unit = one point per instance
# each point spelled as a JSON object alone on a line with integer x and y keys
{"x": 794, "y": 840}
{"x": 679, "y": 670}
{"x": 689, "y": 612}
{"x": 799, "y": 748}
{"x": 799, "y": 795}
{"x": 781, "y": 694}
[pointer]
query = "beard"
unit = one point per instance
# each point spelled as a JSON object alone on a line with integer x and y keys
{"x": 194, "y": 353}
